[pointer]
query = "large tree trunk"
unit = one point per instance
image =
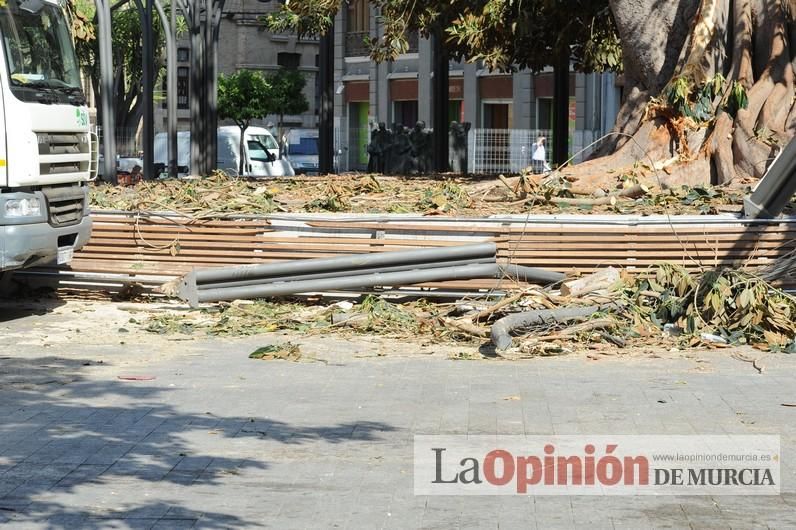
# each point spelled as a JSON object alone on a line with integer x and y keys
{"x": 749, "y": 42}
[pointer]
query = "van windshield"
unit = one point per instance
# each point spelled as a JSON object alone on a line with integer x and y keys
{"x": 305, "y": 146}
{"x": 267, "y": 140}
{"x": 38, "y": 46}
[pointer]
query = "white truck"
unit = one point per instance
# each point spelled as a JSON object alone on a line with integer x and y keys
{"x": 47, "y": 153}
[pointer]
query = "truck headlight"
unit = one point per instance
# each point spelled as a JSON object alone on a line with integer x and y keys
{"x": 30, "y": 207}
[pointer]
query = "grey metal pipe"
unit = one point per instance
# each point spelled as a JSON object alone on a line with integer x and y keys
{"x": 776, "y": 189}
{"x": 531, "y": 274}
{"x": 337, "y": 274}
{"x": 346, "y": 263}
{"x": 346, "y": 282}
{"x": 501, "y": 330}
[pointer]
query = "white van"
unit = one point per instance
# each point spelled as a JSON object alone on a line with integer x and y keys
{"x": 261, "y": 153}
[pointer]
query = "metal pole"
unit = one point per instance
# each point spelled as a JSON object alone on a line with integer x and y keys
{"x": 561, "y": 106}
{"x": 214, "y": 27}
{"x": 775, "y": 190}
{"x": 326, "y": 122}
{"x": 106, "y": 90}
{"x": 148, "y": 82}
{"x": 354, "y": 281}
{"x": 171, "y": 85}
{"x": 197, "y": 67}
{"x": 346, "y": 263}
{"x": 441, "y": 98}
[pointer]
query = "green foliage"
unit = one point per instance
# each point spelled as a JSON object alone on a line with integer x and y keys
{"x": 738, "y": 99}
{"x": 694, "y": 101}
{"x": 504, "y": 34}
{"x": 334, "y": 199}
{"x": 244, "y": 96}
{"x": 446, "y": 197}
{"x": 286, "y": 88}
{"x": 732, "y": 304}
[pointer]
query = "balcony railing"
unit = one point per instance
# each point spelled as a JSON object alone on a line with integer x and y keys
{"x": 356, "y": 45}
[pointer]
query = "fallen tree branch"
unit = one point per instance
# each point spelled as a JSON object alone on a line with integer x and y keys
{"x": 591, "y": 325}
{"x": 466, "y": 326}
{"x": 501, "y": 330}
{"x": 500, "y": 305}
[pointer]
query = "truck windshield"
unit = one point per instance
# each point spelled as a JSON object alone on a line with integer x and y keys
{"x": 38, "y": 46}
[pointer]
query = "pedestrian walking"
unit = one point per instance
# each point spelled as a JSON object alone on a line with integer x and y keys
{"x": 539, "y": 156}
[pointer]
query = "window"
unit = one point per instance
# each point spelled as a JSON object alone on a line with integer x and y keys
{"x": 257, "y": 151}
{"x": 182, "y": 87}
{"x": 183, "y": 55}
{"x": 358, "y": 28}
{"x": 498, "y": 116}
{"x": 544, "y": 114}
{"x": 405, "y": 113}
{"x": 291, "y": 61}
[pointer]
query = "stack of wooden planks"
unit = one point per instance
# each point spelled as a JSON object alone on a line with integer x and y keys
{"x": 169, "y": 246}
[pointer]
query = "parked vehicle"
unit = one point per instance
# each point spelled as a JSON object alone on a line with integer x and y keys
{"x": 302, "y": 151}
{"x": 261, "y": 153}
{"x": 47, "y": 154}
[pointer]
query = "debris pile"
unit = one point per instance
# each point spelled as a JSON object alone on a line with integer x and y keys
{"x": 202, "y": 198}
{"x": 220, "y": 195}
{"x": 666, "y": 306}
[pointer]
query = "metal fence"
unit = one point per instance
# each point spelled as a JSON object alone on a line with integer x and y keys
{"x": 128, "y": 141}
{"x": 489, "y": 151}
{"x": 511, "y": 150}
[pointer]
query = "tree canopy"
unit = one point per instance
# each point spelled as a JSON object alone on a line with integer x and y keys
{"x": 287, "y": 94}
{"x": 504, "y": 34}
{"x": 242, "y": 97}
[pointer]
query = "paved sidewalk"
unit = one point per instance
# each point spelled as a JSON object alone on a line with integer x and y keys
{"x": 216, "y": 440}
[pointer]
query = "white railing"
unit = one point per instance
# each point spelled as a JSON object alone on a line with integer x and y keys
{"x": 492, "y": 151}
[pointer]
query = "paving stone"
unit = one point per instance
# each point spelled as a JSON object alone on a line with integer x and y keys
{"x": 219, "y": 441}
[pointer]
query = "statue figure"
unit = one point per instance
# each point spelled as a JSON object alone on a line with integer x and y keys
{"x": 457, "y": 146}
{"x": 421, "y": 147}
{"x": 379, "y": 144}
{"x": 401, "y": 153}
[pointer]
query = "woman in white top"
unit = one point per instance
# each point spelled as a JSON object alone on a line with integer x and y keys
{"x": 539, "y": 157}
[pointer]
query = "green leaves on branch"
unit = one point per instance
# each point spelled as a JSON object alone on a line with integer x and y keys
{"x": 732, "y": 304}
{"x": 247, "y": 95}
{"x": 243, "y": 96}
{"x": 504, "y": 34}
{"x": 738, "y": 99}
{"x": 696, "y": 102}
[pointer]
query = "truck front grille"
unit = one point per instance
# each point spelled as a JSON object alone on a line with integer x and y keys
{"x": 65, "y": 204}
{"x": 73, "y": 148}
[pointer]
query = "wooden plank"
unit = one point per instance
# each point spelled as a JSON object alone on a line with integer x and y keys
{"x": 166, "y": 220}
{"x": 554, "y": 227}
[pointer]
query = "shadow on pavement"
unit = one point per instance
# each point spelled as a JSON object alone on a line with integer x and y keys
{"x": 56, "y": 443}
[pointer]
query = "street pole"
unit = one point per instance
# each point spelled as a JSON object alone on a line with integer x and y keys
{"x": 561, "y": 106}
{"x": 326, "y": 124}
{"x": 171, "y": 85}
{"x": 106, "y": 90}
{"x": 147, "y": 63}
{"x": 441, "y": 98}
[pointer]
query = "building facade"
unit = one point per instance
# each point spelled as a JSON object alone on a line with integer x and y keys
{"x": 244, "y": 43}
{"x": 399, "y": 92}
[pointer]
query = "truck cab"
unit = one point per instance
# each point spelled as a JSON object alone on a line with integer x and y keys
{"x": 47, "y": 154}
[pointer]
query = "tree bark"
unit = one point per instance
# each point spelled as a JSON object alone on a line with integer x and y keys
{"x": 749, "y": 42}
